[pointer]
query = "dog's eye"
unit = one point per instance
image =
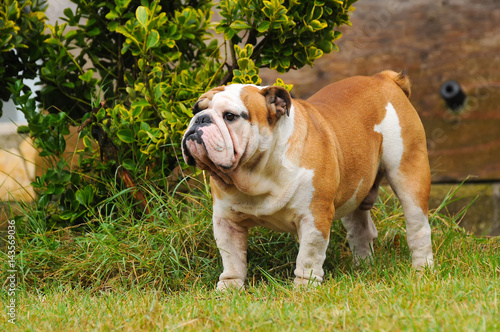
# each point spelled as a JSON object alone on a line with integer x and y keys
{"x": 230, "y": 117}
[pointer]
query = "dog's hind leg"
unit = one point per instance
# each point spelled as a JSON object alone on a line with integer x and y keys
{"x": 412, "y": 188}
{"x": 361, "y": 232}
{"x": 408, "y": 172}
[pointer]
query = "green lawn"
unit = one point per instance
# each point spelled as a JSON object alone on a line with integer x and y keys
{"x": 122, "y": 272}
{"x": 396, "y": 300}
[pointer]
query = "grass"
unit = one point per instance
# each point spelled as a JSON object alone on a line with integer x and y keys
{"x": 362, "y": 301}
{"x": 124, "y": 271}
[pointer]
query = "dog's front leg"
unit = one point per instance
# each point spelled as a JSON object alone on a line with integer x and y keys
{"x": 312, "y": 253}
{"x": 232, "y": 242}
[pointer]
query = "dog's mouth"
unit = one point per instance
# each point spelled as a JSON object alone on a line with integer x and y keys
{"x": 229, "y": 167}
{"x": 218, "y": 172}
{"x": 191, "y": 135}
{"x": 208, "y": 151}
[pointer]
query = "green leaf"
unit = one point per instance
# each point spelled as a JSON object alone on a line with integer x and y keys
{"x": 112, "y": 15}
{"x": 279, "y": 82}
{"x": 94, "y": 32}
{"x": 59, "y": 189}
{"x": 13, "y": 11}
{"x": 263, "y": 26}
{"x": 136, "y": 112}
{"x": 256, "y": 80}
{"x": 70, "y": 34}
{"x": 87, "y": 142}
{"x": 184, "y": 109}
{"x": 153, "y": 39}
{"x": 144, "y": 126}
{"x": 300, "y": 56}
{"x": 159, "y": 90}
{"x": 285, "y": 62}
{"x": 101, "y": 114}
{"x": 140, "y": 103}
{"x": 70, "y": 85}
{"x": 85, "y": 196}
{"x": 52, "y": 41}
{"x": 113, "y": 25}
{"x": 243, "y": 63}
{"x": 140, "y": 64}
{"x": 317, "y": 25}
{"x": 142, "y": 15}
{"x": 23, "y": 129}
{"x": 240, "y": 25}
{"x": 229, "y": 33}
{"x": 170, "y": 43}
{"x": 126, "y": 135}
{"x": 325, "y": 45}
{"x": 51, "y": 188}
{"x": 122, "y": 3}
{"x": 87, "y": 76}
{"x": 129, "y": 164}
{"x": 44, "y": 199}
{"x": 68, "y": 12}
{"x": 66, "y": 215}
{"x": 287, "y": 51}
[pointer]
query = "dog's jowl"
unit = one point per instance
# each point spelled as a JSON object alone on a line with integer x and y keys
{"x": 297, "y": 165}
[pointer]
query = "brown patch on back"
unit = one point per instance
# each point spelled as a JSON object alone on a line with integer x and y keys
{"x": 341, "y": 119}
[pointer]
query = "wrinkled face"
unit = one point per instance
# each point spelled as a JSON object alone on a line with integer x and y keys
{"x": 228, "y": 123}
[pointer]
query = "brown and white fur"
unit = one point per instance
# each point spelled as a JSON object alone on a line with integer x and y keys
{"x": 295, "y": 166}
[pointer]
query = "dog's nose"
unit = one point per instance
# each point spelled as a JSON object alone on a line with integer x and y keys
{"x": 205, "y": 118}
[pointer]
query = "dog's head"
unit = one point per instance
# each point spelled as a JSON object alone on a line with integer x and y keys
{"x": 230, "y": 124}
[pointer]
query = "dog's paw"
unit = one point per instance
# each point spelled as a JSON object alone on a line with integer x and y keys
{"x": 422, "y": 259}
{"x": 226, "y": 284}
{"x": 362, "y": 262}
{"x": 303, "y": 282}
{"x": 421, "y": 264}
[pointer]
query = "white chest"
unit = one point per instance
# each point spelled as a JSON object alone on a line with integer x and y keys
{"x": 280, "y": 209}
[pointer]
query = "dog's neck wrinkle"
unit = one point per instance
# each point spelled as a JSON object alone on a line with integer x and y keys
{"x": 265, "y": 173}
{"x": 256, "y": 180}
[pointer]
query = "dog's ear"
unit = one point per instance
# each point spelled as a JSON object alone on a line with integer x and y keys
{"x": 204, "y": 101}
{"x": 278, "y": 101}
{"x": 200, "y": 105}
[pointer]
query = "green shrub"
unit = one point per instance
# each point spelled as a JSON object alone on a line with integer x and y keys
{"x": 21, "y": 43}
{"x": 127, "y": 72}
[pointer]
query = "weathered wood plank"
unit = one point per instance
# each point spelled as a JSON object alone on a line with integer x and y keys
{"x": 434, "y": 41}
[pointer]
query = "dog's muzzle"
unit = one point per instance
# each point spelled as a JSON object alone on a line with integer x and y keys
{"x": 194, "y": 134}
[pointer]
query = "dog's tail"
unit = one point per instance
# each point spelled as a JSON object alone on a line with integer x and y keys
{"x": 401, "y": 79}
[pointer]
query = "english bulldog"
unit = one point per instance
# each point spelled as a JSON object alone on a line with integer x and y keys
{"x": 297, "y": 165}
